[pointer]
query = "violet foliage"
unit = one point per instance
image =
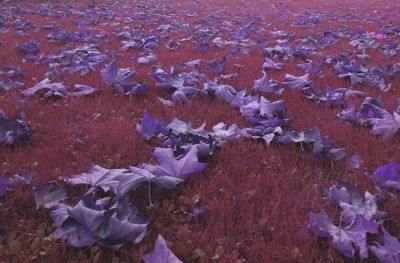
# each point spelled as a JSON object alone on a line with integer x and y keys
{"x": 81, "y": 59}
{"x": 9, "y": 84}
{"x": 122, "y": 80}
{"x": 14, "y": 130}
{"x": 387, "y": 176}
{"x": 174, "y": 167}
{"x": 47, "y": 90}
{"x": 181, "y": 84}
{"x": 361, "y": 218}
{"x": 92, "y": 220}
{"x": 161, "y": 253}
{"x": 30, "y": 47}
{"x": 372, "y": 114}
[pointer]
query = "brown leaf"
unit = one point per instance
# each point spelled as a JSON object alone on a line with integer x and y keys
{"x": 15, "y": 246}
{"x": 185, "y": 201}
{"x": 199, "y": 253}
{"x": 96, "y": 258}
{"x": 184, "y": 248}
{"x": 35, "y": 243}
{"x": 220, "y": 250}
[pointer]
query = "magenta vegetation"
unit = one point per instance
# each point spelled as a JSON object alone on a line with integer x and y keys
{"x": 199, "y": 131}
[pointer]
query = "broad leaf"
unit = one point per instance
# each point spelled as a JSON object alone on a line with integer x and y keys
{"x": 161, "y": 253}
{"x": 137, "y": 176}
{"x": 387, "y": 126}
{"x": 47, "y": 198}
{"x": 183, "y": 169}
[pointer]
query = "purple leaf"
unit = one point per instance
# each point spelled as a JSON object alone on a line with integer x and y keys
{"x": 124, "y": 35}
{"x": 76, "y": 234}
{"x": 12, "y": 71}
{"x": 98, "y": 177}
{"x": 149, "y": 127}
{"x": 21, "y": 178}
{"x": 124, "y": 229}
{"x": 179, "y": 127}
{"x": 221, "y": 132}
{"x": 8, "y": 84}
{"x": 322, "y": 149}
{"x": 49, "y": 89}
{"x": 184, "y": 168}
{"x": 296, "y": 82}
{"x": 30, "y": 47}
{"x": 321, "y": 224}
{"x": 350, "y": 115}
{"x": 370, "y": 108}
{"x": 172, "y": 45}
{"x": 3, "y": 186}
{"x": 242, "y": 99}
{"x": 59, "y": 213}
{"x": 161, "y": 253}
{"x": 122, "y": 223}
{"x": 354, "y": 162}
{"x": 203, "y": 149}
{"x": 354, "y": 235}
{"x": 90, "y": 221}
{"x": 174, "y": 80}
{"x": 111, "y": 75}
{"x": 223, "y": 92}
{"x": 81, "y": 59}
{"x": 337, "y": 96}
{"x": 147, "y": 59}
{"x": 194, "y": 63}
{"x": 301, "y": 137}
{"x": 336, "y": 154}
{"x": 218, "y": 66}
{"x": 266, "y": 85}
{"x": 131, "y": 89}
{"x": 269, "y": 64}
{"x": 270, "y": 136}
{"x": 226, "y": 77}
{"x": 310, "y": 67}
{"x": 45, "y": 198}
{"x": 59, "y": 36}
{"x": 344, "y": 239}
{"x": 263, "y": 132}
{"x": 270, "y": 109}
{"x": 311, "y": 93}
{"x": 347, "y": 193}
{"x": 184, "y": 94}
{"x": 130, "y": 181}
{"x": 81, "y": 90}
{"x": 379, "y": 84}
{"x": 368, "y": 208}
{"x": 271, "y": 123}
{"x": 387, "y": 126}
{"x": 198, "y": 211}
{"x": 352, "y": 202}
{"x": 81, "y": 223}
{"x": 135, "y": 44}
{"x": 355, "y": 78}
{"x": 13, "y": 130}
{"x": 388, "y": 176}
{"x": 263, "y": 108}
{"x": 88, "y": 213}
{"x": 388, "y": 249}
{"x": 168, "y": 103}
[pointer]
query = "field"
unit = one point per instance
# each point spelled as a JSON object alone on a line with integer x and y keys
{"x": 249, "y": 193}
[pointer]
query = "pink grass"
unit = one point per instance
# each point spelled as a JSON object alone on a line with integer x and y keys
{"x": 259, "y": 197}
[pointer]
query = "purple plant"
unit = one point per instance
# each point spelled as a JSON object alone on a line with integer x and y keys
{"x": 13, "y": 130}
{"x": 161, "y": 253}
